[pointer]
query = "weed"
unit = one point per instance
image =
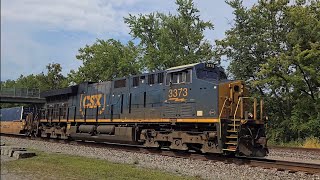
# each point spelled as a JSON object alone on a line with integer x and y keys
{"x": 312, "y": 142}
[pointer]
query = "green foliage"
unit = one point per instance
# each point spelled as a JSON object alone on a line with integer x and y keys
{"x": 165, "y": 41}
{"x": 274, "y": 46}
{"x": 106, "y": 60}
{"x": 53, "y": 79}
{"x": 171, "y": 40}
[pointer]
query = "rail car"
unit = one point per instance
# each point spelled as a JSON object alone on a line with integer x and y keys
{"x": 190, "y": 107}
{"x": 12, "y": 120}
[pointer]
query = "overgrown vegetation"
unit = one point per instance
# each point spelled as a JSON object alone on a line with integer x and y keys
{"x": 59, "y": 166}
{"x": 310, "y": 142}
{"x": 274, "y": 46}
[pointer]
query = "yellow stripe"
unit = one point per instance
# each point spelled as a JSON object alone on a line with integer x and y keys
{"x": 180, "y": 120}
{"x": 186, "y": 120}
{"x": 90, "y": 120}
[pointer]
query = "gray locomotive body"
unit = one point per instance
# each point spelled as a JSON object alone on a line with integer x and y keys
{"x": 185, "y": 107}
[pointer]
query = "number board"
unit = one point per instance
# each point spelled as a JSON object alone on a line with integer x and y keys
{"x": 178, "y": 95}
{"x": 209, "y": 65}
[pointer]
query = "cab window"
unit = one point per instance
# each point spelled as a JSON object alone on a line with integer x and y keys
{"x": 206, "y": 74}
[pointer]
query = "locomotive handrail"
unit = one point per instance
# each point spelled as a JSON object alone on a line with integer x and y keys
{"x": 224, "y": 103}
{"x": 235, "y": 113}
{"x": 236, "y": 110}
{"x": 240, "y": 100}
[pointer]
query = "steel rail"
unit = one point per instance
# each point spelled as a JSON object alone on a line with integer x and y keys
{"x": 279, "y": 165}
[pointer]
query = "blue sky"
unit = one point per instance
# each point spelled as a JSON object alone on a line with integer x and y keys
{"x": 37, "y": 32}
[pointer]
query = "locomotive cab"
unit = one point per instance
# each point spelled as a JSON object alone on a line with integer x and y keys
{"x": 206, "y": 93}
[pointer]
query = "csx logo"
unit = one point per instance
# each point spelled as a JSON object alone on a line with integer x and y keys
{"x": 92, "y": 101}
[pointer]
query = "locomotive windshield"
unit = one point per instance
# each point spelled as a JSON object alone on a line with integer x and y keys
{"x": 210, "y": 72}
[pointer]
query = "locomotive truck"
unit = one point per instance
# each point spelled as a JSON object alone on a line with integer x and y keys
{"x": 189, "y": 107}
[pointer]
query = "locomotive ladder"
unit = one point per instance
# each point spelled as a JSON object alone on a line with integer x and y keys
{"x": 231, "y": 140}
{"x": 231, "y": 137}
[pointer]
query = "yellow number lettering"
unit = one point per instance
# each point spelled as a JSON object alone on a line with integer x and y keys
{"x": 170, "y": 93}
{"x": 180, "y": 90}
{"x": 185, "y": 92}
{"x": 175, "y": 91}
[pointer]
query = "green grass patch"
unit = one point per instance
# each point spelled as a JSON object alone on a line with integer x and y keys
{"x": 61, "y": 166}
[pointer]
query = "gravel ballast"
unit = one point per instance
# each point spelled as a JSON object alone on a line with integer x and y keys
{"x": 191, "y": 167}
{"x": 295, "y": 155}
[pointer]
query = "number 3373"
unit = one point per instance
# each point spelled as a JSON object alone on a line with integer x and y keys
{"x": 178, "y": 92}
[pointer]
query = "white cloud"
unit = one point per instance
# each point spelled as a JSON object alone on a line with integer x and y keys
{"x": 23, "y": 51}
{"x": 74, "y": 23}
{"x": 94, "y": 16}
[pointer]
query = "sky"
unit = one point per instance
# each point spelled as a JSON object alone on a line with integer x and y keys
{"x": 35, "y": 33}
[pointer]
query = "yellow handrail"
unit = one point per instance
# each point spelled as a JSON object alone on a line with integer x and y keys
{"x": 224, "y": 103}
{"x": 235, "y": 112}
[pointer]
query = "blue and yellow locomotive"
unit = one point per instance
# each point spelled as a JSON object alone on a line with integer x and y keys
{"x": 190, "y": 107}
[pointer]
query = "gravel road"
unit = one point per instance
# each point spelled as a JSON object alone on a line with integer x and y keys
{"x": 203, "y": 169}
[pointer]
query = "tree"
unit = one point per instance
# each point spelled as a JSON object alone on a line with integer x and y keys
{"x": 274, "y": 46}
{"x": 171, "y": 40}
{"x": 106, "y": 60}
{"x": 53, "y": 79}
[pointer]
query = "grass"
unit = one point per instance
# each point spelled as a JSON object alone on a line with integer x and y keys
{"x": 310, "y": 142}
{"x": 60, "y": 166}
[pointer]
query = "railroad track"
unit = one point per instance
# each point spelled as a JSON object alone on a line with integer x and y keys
{"x": 279, "y": 165}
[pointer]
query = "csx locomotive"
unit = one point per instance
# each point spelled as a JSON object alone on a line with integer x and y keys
{"x": 190, "y": 107}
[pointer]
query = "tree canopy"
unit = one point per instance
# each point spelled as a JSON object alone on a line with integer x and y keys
{"x": 165, "y": 40}
{"x": 106, "y": 60}
{"x": 169, "y": 40}
{"x": 52, "y": 79}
